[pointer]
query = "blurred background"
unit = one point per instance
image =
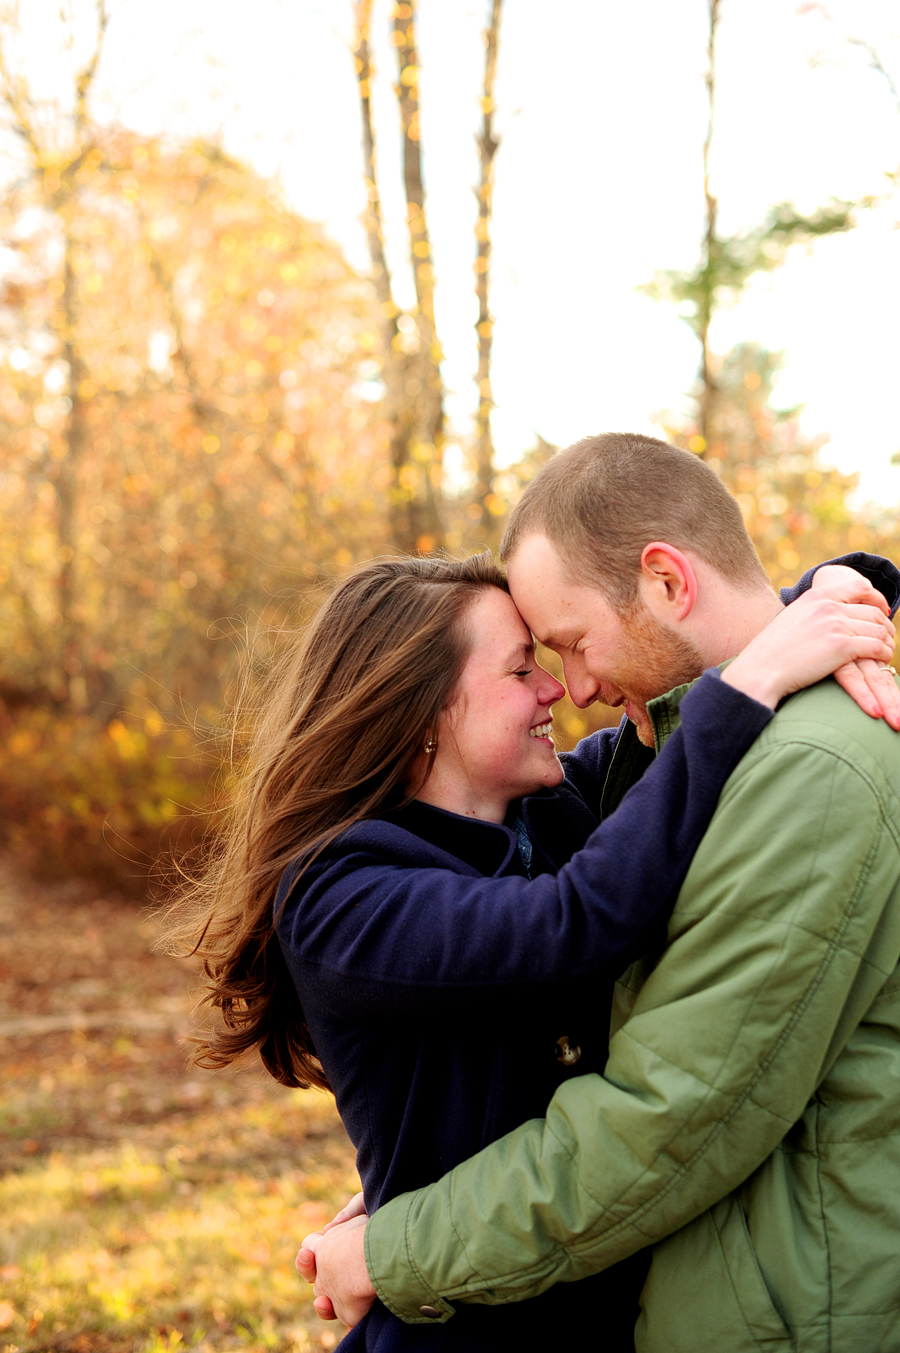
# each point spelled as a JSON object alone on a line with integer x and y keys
{"x": 287, "y": 287}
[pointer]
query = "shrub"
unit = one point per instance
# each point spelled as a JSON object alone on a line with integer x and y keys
{"x": 103, "y": 801}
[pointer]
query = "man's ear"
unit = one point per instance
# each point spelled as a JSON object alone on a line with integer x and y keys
{"x": 668, "y": 581}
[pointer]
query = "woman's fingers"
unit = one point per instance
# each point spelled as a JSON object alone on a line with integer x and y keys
{"x": 882, "y": 682}
{"x": 874, "y": 688}
{"x": 807, "y": 641}
{"x": 846, "y": 584}
{"x": 857, "y": 618}
{"x": 355, "y": 1208}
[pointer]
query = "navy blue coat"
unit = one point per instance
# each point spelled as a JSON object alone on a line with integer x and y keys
{"x": 438, "y": 979}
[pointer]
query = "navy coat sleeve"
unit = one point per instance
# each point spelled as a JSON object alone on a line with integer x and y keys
{"x": 881, "y": 573}
{"x": 372, "y": 927}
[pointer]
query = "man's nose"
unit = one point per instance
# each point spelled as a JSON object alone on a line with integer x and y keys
{"x": 581, "y": 685}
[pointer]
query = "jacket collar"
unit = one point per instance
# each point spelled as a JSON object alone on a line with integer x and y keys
{"x": 486, "y": 846}
{"x": 631, "y": 758}
{"x": 557, "y": 820}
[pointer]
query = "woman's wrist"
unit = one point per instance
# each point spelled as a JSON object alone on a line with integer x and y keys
{"x": 759, "y": 682}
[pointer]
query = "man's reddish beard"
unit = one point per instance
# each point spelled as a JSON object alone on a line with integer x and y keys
{"x": 657, "y": 659}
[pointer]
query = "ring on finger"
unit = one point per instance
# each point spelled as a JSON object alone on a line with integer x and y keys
{"x": 886, "y": 667}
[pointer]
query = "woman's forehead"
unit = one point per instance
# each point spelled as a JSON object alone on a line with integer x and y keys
{"x": 495, "y": 625}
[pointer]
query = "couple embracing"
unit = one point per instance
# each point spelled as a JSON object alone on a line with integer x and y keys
{"x": 421, "y": 906}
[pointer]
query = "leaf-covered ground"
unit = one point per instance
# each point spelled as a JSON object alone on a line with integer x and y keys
{"x": 146, "y": 1206}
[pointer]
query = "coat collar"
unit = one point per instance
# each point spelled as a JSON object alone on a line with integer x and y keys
{"x": 631, "y": 758}
{"x": 557, "y": 820}
{"x": 487, "y": 846}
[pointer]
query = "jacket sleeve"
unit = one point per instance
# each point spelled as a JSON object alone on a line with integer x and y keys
{"x": 768, "y": 971}
{"x": 365, "y": 935}
{"x": 881, "y": 573}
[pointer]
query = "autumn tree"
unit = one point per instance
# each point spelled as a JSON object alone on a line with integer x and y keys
{"x": 796, "y": 509}
{"x": 727, "y": 263}
{"x": 230, "y": 456}
{"x": 56, "y": 159}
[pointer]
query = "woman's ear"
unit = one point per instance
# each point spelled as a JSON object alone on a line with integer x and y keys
{"x": 668, "y": 581}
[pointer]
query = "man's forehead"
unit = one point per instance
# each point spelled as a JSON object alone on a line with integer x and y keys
{"x": 536, "y": 565}
{"x": 542, "y": 592}
{"x": 558, "y": 609}
{"x": 541, "y": 567}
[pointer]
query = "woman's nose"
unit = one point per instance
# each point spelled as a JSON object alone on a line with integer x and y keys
{"x": 550, "y": 690}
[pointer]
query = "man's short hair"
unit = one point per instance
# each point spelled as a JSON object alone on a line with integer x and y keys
{"x": 603, "y": 499}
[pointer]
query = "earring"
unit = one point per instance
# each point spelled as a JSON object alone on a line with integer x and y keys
{"x": 430, "y": 746}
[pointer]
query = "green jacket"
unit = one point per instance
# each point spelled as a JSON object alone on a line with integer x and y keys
{"x": 750, "y": 1109}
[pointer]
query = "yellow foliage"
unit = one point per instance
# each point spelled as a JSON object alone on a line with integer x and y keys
{"x": 78, "y": 797}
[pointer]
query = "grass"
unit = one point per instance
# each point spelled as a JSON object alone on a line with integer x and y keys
{"x": 146, "y": 1206}
{"x": 150, "y": 1249}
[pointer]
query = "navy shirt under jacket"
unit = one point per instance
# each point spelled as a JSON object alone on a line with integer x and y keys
{"x": 447, "y": 994}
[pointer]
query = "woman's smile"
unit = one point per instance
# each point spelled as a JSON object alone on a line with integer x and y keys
{"x": 494, "y": 740}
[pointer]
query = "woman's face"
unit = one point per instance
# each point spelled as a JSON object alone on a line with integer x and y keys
{"x": 493, "y": 742}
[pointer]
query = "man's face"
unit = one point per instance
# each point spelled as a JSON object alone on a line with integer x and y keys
{"x": 623, "y": 659}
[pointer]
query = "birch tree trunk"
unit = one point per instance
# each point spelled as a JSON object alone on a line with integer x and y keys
{"x": 484, "y": 326}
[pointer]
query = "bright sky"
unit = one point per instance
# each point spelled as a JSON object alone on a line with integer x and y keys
{"x": 602, "y": 110}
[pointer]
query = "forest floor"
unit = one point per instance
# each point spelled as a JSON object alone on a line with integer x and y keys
{"x": 146, "y": 1206}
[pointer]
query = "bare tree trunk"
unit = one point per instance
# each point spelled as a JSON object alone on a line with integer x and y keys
{"x": 424, "y": 384}
{"x": 484, "y": 327}
{"x": 65, "y": 482}
{"x": 395, "y": 362}
{"x": 373, "y": 223}
{"x": 411, "y": 371}
{"x": 708, "y": 389}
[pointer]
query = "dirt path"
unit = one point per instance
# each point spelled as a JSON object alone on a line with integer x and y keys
{"x": 125, "y": 1170}
{"x": 92, "y": 1030}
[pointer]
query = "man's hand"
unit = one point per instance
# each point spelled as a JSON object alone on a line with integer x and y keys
{"x": 334, "y": 1260}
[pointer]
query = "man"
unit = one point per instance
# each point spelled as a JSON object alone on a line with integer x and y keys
{"x": 748, "y": 1121}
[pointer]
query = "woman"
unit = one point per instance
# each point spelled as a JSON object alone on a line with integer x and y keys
{"x": 448, "y": 910}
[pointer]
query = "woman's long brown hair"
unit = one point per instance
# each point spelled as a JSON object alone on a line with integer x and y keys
{"x": 339, "y": 738}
